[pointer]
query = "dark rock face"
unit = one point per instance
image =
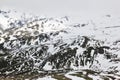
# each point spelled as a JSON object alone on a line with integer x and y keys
{"x": 3, "y": 63}
{"x": 35, "y": 56}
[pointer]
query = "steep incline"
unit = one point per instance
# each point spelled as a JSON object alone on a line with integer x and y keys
{"x": 43, "y": 44}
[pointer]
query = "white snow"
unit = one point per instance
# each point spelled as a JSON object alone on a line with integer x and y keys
{"x": 47, "y": 66}
{"x": 46, "y": 78}
{"x": 73, "y": 77}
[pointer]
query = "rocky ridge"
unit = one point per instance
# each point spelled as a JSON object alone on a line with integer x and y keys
{"x": 48, "y": 44}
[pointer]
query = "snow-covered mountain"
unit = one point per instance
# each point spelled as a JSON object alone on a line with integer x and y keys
{"x": 35, "y": 44}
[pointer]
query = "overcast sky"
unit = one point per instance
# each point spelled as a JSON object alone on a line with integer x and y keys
{"x": 64, "y": 7}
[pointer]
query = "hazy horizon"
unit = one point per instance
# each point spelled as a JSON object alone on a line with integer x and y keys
{"x": 56, "y": 8}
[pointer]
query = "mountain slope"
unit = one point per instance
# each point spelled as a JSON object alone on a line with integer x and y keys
{"x": 51, "y": 44}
